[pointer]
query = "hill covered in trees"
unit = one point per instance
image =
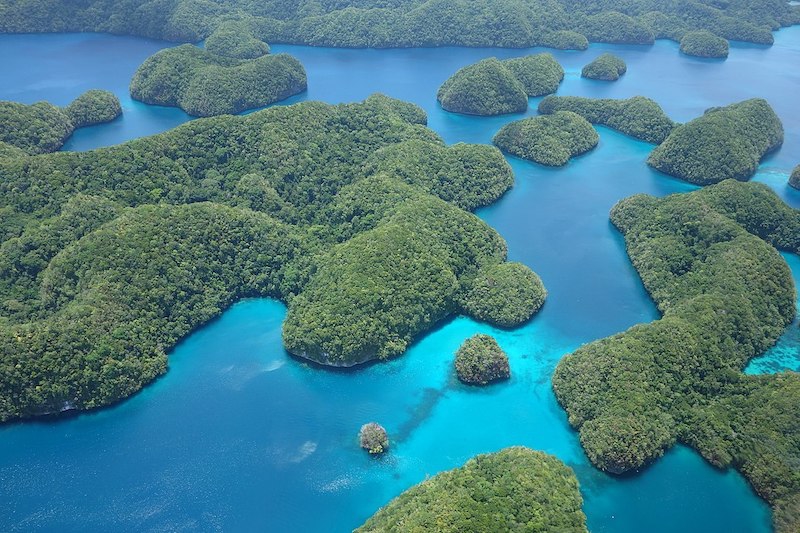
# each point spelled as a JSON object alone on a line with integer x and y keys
{"x": 205, "y": 84}
{"x": 607, "y": 67}
{"x": 42, "y": 127}
{"x": 703, "y": 43}
{"x": 495, "y": 87}
{"x": 404, "y": 23}
{"x": 354, "y": 215}
{"x": 638, "y": 117}
{"x": 726, "y": 295}
{"x": 515, "y": 489}
{"x": 725, "y": 142}
{"x": 548, "y": 139}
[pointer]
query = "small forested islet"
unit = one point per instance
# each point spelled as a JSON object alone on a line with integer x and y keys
{"x": 548, "y": 139}
{"x": 639, "y": 117}
{"x": 725, "y": 142}
{"x": 480, "y": 361}
{"x": 607, "y": 67}
{"x": 515, "y": 489}
{"x": 205, "y": 84}
{"x": 703, "y": 43}
{"x": 42, "y": 127}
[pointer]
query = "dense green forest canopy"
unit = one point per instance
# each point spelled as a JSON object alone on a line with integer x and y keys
{"x": 726, "y": 295}
{"x": 505, "y": 295}
{"x": 480, "y": 361}
{"x": 703, "y": 43}
{"x": 548, "y": 139}
{"x": 354, "y": 215}
{"x": 235, "y": 39}
{"x": 404, "y": 23}
{"x": 205, "y": 84}
{"x": 42, "y": 127}
{"x": 515, "y": 489}
{"x": 794, "y": 179}
{"x": 607, "y": 67}
{"x": 495, "y": 87}
{"x": 638, "y": 117}
{"x": 725, "y": 142}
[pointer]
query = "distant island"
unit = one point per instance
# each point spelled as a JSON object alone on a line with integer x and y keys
{"x": 725, "y": 142}
{"x": 495, "y": 87}
{"x": 707, "y": 259}
{"x": 548, "y": 139}
{"x": 205, "y": 84}
{"x": 375, "y": 24}
{"x": 704, "y": 44}
{"x": 355, "y": 215}
{"x": 607, "y": 67}
{"x": 515, "y": 489}
{"x": 42, "y": 127}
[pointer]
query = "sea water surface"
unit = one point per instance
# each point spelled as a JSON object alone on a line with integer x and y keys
{"x": 242, "y": 437}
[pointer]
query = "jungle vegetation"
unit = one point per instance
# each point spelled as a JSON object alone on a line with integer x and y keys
{"x": 505, "y": 295}
{"x": 354, "y": 215}
{"x": 794, "y": 179}
{"x": 709, "y": 262}
{"x": 515, "y": 489}
{"x": 405, "y": 23}
{"x": 205, "y": 84}
{"x": 548, "y": 139}
{"x": 495, "y": 87}
{"x": 725, "y": 142}
{"x": 42, "y": 127}
{"x": 235, "y": 39}
{"x": 638, "y": 117}
{"x": 703, "y": 43}
{"x": 480, "y": 361}
{"x": 607, "y": 67}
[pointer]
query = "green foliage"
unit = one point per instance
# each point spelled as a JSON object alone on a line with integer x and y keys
{"x": 606, "y": 67}
{"x": 42, "y": 127}
{"x": 373, "y": 438}
{"x": 205, "y": 84}
{"x": 726, "y": 296}
{"x": 494, "y": 87}
{"x": 404, "y": 23}
{"x": 515, "y": 489}
{"x": 487, "y": 87}
{"x": 36, "y": 129}
{"x": 235, "y": 39}
{"x": 794, "y": 179}
{"x": 480, "y": 361}
{"x": 726, "y": 142}
{"x": 505, "y": 294}
{"x": 548, "y": 139}
{"x": 565, "y": 40}
{"x": 93, "y": 107}
{"x": 703, "y": 43}
{"x": 109, "y": 257}
{"x": 638, "y": 117}
{"x": 540, "y": 74}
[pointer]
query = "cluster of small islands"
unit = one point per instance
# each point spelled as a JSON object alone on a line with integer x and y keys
{"x": 359, "y": 218}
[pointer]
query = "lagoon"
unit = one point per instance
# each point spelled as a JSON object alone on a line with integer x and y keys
{"x": 241, "y": 436}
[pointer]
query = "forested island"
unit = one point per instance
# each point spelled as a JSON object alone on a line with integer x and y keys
{"x": 794, "y": 179}
{"x": 607, "y": 67}
{"x": 235, "y": 39}
{"x": 707, "y": 260}
{"x": 639, "y": 117}
{"x": 495, "y": 87}
{"x": 42, "y": 127}
{"x": 515, "y": 489}
{"x": 548, "y": 139}
{"x": 406, "y": 23}
{"x": 704, "y": 44}
{"x": 205, "y": 84}
{"x": 354, "y": 215}
{"x": 725, "y": 142}
{"x": 480, "y": 361}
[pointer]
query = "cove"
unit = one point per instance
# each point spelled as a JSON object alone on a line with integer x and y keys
{"x": 239, "y": 436}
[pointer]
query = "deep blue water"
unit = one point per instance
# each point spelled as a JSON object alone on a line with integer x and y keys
{"x": 240, "y": 436}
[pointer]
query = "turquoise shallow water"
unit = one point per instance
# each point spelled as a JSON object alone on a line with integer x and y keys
{"x": 239, "y": 436}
